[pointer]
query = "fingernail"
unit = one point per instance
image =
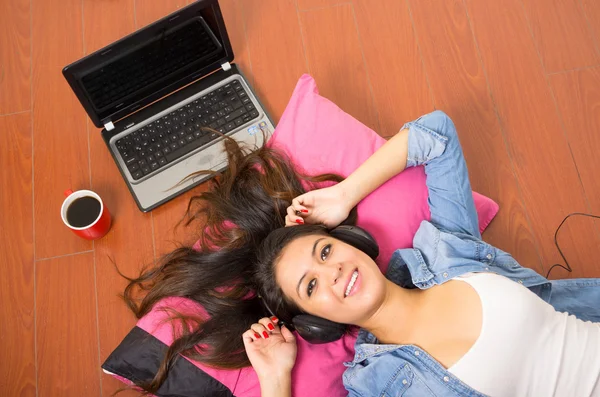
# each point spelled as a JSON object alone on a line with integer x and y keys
{"x": 271, "y": 327}
{"x": 274, "y": 319}
{"x": 257, "y": 335}
{"x": 266, "y": 335}
{"x": 300, "y": 221}
{"x": 305, "y": 211}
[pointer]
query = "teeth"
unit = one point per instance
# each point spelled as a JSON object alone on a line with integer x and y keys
{"x": 352, "y": 281}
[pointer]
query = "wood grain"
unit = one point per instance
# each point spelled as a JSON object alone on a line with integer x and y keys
{"x": 16, "y": 252}
{"x": 234, "y": 21}
{"x": 336, "y": 61}
{"x": 61, "y": 158}
{"x": 15, "y": 62}
{"x": 275, "y": 49}
{"x": 577, "y": 94}
{"x": 67, "y": 340}
{"x": 537, "y": 145}
{"x": 148, "y": 11}
{"x": 129, "y": 243}
{"x": 460, "y": 88}
{"x": 400, "y": 89}
{"x": 308, "y": 4}
{"x": 561, "y": 34}
{"x": 105, "y": 22}
{"x": 591, "y": 9}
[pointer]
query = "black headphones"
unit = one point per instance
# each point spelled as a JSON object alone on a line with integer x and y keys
{"x": 318, "y": 330}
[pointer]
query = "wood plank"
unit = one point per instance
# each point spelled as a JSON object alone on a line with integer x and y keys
{"x": 308, "y": 4}
{"x": 277, "y": 58}
{"x": 544, "y": 167}
{"x": 149, "y": 11}
{"x": 577, "y": 94}
{"x": 15, "y": 62}
{"x": 234, "y": 21}
{"x": 561, "y": 34}
{"x": 129, "y": 243}
{"x": 67, "y": 340}
{"x": 591, "y": 9}
{"x": 105, "y": 22}
{"x": 59, "y": 124}
{"x": 460, "y": 88}
{"x": 336, "y": 61}
{"x": 400, "y": 89}
{"x": 16, "y": 233}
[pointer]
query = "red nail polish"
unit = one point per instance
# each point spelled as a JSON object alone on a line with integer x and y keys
{"x": 271, "y": 327}
{"x": 266, "y": 335}
{"x": 300, "y": 221}
{"x": 305, "y": 211}
{"x": 257, "y": 335}
{"x": 274, "y": 318}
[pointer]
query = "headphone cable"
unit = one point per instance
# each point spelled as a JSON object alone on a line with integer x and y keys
{"x": 567, "y": 267}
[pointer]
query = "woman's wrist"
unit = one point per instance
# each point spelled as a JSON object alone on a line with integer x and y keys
{"x": 277, "y": 384}
{"x": 351, "y": 193}
{"x": 387, "y": 162}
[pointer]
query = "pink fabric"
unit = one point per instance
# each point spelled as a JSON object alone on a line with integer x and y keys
{"x": 319, "y": 137}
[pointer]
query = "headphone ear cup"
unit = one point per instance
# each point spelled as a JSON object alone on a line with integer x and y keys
{"x": 318, "y": 330}
{"x": 358, "y": 238}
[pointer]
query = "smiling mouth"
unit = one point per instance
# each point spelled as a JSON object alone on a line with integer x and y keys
{"x": 351, "y": 283}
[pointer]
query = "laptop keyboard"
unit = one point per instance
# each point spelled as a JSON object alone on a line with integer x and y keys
{"x": 174, "y": 135}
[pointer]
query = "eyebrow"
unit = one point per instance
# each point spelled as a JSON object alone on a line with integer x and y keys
{"x": 314, "y": 250}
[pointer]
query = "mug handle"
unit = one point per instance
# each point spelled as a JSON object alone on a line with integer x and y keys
{"x": 68, "y": 192}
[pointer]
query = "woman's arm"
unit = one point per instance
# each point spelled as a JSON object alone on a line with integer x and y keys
{"x": 330, "y": 206}
{"x": 431, "y": 141}
{"x": 387, "y": 162}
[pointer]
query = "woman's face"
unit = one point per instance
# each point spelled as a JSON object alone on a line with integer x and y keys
{"x": 331, "y": 279}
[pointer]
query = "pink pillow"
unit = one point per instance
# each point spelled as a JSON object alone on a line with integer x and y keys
{"x": 319, "y": 137}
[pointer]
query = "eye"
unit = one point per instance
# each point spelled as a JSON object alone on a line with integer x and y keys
{"x": 325, "y": 252}
{"x": 311, "y": 286}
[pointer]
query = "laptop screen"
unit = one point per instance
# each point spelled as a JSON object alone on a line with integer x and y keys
{"x": 152, "y": 62}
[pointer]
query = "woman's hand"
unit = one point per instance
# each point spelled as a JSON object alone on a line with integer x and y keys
{"x": 329, "y": 206}
{"x": 271, "y": 350}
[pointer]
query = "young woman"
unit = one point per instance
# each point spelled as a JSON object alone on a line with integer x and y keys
{"x": 455, "y": 316}
{"x": 243, "y": 205}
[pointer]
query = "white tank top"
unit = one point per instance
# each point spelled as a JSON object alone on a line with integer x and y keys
{"x": 526, "y": 348}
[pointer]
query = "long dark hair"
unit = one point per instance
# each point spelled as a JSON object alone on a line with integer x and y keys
{"x": 244, "y": 204}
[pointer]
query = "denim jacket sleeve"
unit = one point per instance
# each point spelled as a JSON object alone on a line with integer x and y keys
{"x": 433, "y": 142}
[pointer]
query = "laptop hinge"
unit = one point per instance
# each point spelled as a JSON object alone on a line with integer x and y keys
{"x": 109, "y": 126}
{"x": 226, "y": 66}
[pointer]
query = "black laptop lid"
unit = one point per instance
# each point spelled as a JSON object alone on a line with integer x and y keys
{"x": 156, "y": 60}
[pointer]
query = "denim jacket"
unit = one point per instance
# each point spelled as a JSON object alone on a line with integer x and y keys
{"x": 447, "y": 246}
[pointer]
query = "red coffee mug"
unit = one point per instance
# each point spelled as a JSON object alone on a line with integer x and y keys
{"x": 94, "y": 227}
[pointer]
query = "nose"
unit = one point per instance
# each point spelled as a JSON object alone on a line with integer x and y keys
{"x": 335, "y": 273}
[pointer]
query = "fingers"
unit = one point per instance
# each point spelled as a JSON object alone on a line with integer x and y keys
{"x": 298, "y": 210}
{"x": 250, "y": 336}
{"x": 288, "y": 336}
{"x": 294, "y": 217}
{"x": 269, "y": 324}
{"x": 264, "y": 328}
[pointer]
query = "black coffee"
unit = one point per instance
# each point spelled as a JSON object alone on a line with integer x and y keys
{"x": 83, "y": 211}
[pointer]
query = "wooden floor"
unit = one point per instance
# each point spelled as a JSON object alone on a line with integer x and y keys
{"x": 521, "y": 79}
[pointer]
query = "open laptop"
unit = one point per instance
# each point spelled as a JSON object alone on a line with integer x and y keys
{"x": 156, "y": 90}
